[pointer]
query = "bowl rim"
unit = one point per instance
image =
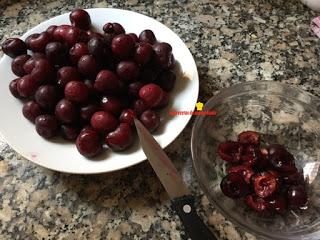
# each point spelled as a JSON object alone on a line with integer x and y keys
{"x": 224, "y": 93}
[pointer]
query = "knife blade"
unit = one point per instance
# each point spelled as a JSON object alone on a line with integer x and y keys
{"x": 181, "y": 199}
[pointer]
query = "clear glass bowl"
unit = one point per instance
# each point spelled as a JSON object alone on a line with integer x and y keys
{"x": 282, "y": 114}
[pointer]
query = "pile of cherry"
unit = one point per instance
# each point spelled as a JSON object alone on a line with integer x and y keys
{"x": 90, "y": 86}
{"x": 266, "y": 177}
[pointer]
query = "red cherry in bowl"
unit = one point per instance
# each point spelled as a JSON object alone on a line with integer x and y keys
{"x": 230, "y": 151}
{"x": 121, "y": 138}
{"x": 234, "y": 186}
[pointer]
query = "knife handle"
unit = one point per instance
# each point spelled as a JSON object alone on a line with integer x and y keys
{"x": 194, "y": 226}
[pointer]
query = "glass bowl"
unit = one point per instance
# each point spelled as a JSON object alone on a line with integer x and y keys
{"x": 283, "y": 114}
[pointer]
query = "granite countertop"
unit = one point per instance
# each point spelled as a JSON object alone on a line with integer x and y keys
{"x": 232, "y": 41}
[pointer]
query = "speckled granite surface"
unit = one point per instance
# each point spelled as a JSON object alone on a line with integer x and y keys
{"x": 232, "y": 41}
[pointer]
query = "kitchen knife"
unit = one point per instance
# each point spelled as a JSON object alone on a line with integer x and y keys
{"x": 182, "y": 200}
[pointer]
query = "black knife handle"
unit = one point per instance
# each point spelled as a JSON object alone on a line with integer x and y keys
{"x": 194, "y": 226}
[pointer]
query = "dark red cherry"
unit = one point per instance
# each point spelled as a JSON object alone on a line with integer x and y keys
{"x": 47, "y": 126}
{"x": 122, "y": 46}
{"x": 121, "y": 138}
{"x": 143, "y": 53}
{"x": 151, "y": 94}
{"x": 163, "y": 56}
{"x": 297, "y": 196}
{"x": 113, "y": 28}
{"x": 67, "y": 74}
{"x": 150, "y": 120}
{"x": 127, "y": 116}
{"x": 88, "y": 143}
{"x": 57, "y": 53}
{"x": 147, "y": 36}
{"x": 103, "y": 122}
{"x": 70, "y": 132}
{"x": 80, "y": 18}
{"x": 27, "y": 86}
{"x": 13, "y": 87}
{"x": 46, "y": 96}
{"x": 18, "y": 63}
{"x": 66, "y": 111}
{"x": 245, "y": 171}
{"x": 76, "y": 91}
{"x": 139, "y": 107}
{"x": 112, "y": 105}
{"x": 107, "y": 82}
{"x": 88, "y": 66}
{"x": 38, "y": 41}
{"x": 128, "y": 70}
{"x": 31, "y": 110}
{"x": 14, "y": 47}
{"x": 234, "y": 186}
{"x": 230, "y": 151}
{"x": 77, "y": 51}
{"x": 250, "y": 155}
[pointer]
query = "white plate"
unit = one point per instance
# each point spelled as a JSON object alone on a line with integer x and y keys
{"x": 64, "y": 157}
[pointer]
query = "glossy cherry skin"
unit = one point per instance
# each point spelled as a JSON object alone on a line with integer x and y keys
{"x": 143, "y": 53}
{"x": 107, "y": 82}
{"x": 249, "y": 137}
{"x": 147, "y": 36}
{"x": 46, "y": 96}
{"x": 150, "y": 120}
{"x": 80, "y": 18}
{"x": 66, "y": 111}
{"x": 297, "y": 196}
{"x": 151, "y": 94}
{"x": 121, "y": 138}
{"x": 67, "y": 74}
{"x": 70, "y": 132}
{"x": 230, "y": 151}
{"x": 88, "y": 66}
{"x": 17, "y": 64}
{"x": 46, "y": 126}
{"x": 51, "y": 29}
{"x": 43, "y": 70}
{"x": 128, "y": 70}
{"x": 163, "y": 56}
{"x": 31, "y": 110}
{"x": 74, "y": 35}
{"x": 112, "y": 104}
{"x": 103, "y": 122}
{"x": 14, "y": 47}
{"x": 14, "y": 88}
{"x": 256, "y": 203}
{"x": 245, "y": 171}
{"x": 134, "y": 37}
{"x": 38, "y": 41}
{"x": 60, "y": 32}
{"x": 88, "y": 143}
{"x": 77, "y": 51}
{"x": 113, "y": 28}
{"x": 265, "y": 184}
{"x": 76, "y": 91}
{"x": 57, "y": 53}
{"x": 122, "y": 46}
{"x": 234, "y": 186}
{"x": 27, "y": 86}
{"x": 127, "y": 116}
{"x": 166, "y": 80}
{"x": 96, "y": 47}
